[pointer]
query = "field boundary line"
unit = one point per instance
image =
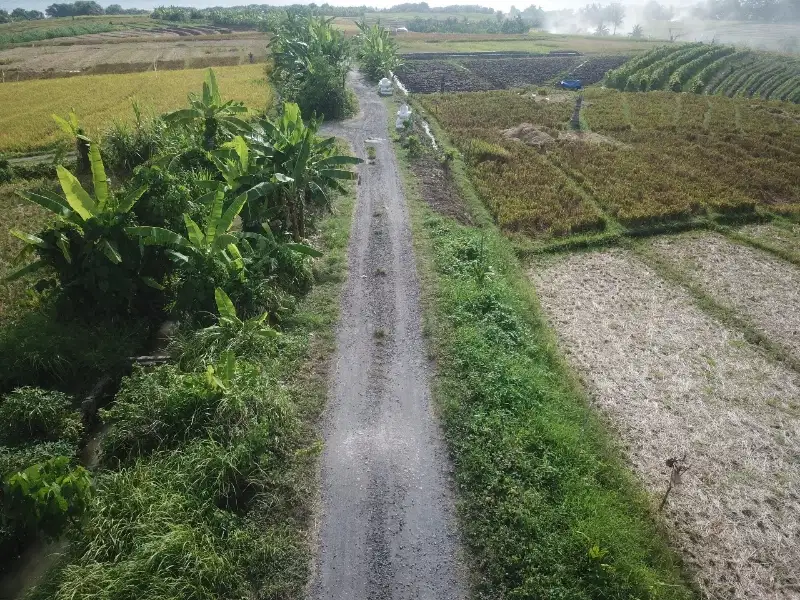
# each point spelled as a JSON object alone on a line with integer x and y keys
{"x": 726, "y": 315}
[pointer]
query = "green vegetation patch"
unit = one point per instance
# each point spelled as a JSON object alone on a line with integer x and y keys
{"x": 548, "y": 508}
{"x": 710, "y": 68}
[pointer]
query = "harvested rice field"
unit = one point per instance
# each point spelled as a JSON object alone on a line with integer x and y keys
{"x": 763, "y": 288}
{"x": 122, "y": 55}
{"x": 694, "y": 405}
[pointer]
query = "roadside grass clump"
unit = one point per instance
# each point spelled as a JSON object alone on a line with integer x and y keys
{"x": 159, "y": 409}
{"x": 41, "y": 415}
{"x": 162, "y": 528}
{"x": 547, "y": 506}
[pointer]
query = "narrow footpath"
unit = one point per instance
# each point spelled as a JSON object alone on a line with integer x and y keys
{"x": 387, "y": 520}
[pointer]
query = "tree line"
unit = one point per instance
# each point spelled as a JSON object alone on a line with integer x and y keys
{"x": 80, "y": 8}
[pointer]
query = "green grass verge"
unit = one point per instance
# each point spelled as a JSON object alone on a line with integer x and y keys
{"x": 209, "y": 493}
{"x": 547, "y": 507}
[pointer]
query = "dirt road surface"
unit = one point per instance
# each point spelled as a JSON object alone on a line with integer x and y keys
{"x": 387, "y": 523}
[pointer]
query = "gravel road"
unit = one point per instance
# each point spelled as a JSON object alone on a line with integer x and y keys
{"x": 387, "y": 520}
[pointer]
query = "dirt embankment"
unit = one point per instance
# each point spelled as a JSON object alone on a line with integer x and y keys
{"x": 673, "y": 382}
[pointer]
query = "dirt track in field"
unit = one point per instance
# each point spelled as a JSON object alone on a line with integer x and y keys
{"x": 764, "y": 288}
{"x": 386, "y": 527}
{"x": 671, "y": 380}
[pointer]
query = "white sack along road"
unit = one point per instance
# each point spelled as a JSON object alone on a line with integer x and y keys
{"x": 387, "y": 525}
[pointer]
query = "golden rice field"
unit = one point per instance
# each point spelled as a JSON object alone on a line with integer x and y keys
{"x": 26, "y": 124}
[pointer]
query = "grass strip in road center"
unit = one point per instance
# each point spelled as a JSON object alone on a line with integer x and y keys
{"x": 547, "y": 507}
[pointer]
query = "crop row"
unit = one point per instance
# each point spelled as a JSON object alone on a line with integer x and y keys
{"x": 659, "y": 156}
{"x": 711, "y": 68}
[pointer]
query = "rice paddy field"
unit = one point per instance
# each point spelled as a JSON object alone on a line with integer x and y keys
{"x": 661, "y": 242}
{"x": 641, "y": 159}
{"x": 27, "y": 124}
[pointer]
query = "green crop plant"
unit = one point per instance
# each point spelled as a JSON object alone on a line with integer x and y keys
{"x": 47, "y": 496}
{"x": 210, "y": 113}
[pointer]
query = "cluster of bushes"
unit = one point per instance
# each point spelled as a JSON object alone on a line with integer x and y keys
{"x": 454, "y": 25}
{"x": 376, "y": 50}
{"x": 311, "y": 60}
{"x": 205, "y": 223}
{"x": 74, "y": 9}
{"x": 20, "y": 14}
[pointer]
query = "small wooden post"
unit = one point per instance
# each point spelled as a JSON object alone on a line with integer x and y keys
{"x": 575, "y": 122}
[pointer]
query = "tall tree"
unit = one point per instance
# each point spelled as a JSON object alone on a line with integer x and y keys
{"x": 615, "y": 13}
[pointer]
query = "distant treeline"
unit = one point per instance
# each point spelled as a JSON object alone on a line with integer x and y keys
{"x": 422, "y": 7}
{"x": 764, "y": 11}
{"x": 80, "y": 8}
{"x": 454, "y": 25}
{"x": 259, "y": 16}
{"x": 20, "y": 14}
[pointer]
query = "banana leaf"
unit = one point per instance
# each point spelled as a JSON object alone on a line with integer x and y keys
{"x": 78, "y": 199}
{"x": 99, "y": 180}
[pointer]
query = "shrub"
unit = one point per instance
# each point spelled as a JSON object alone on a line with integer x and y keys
{"x": 101, "y": 270}
{"x": 319, "y": 86}
{"x": 48, "y": 496}
{"x": 168, "y": 196}
{"x": 34, "y": 414}
{"x": 159, "y": 408}
{"x": 6, "y": 172}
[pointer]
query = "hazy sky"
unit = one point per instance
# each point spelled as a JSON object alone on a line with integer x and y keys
{"x": 496, "y": 4}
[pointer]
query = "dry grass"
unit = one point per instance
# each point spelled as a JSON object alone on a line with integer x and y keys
{"x": 26, "y": 123}
{"x": 785, "y": 239}
{"x": 671, "y": 381}
{"x": 763, "y": 287}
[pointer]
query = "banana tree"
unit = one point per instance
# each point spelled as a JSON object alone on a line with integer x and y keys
{"x": 85, "y": 224}
{"x": 376, "y": 50}
{"x": 211, "y": 112}
{"x": 206, "y": 257}
{"x": 305, "y": 168}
